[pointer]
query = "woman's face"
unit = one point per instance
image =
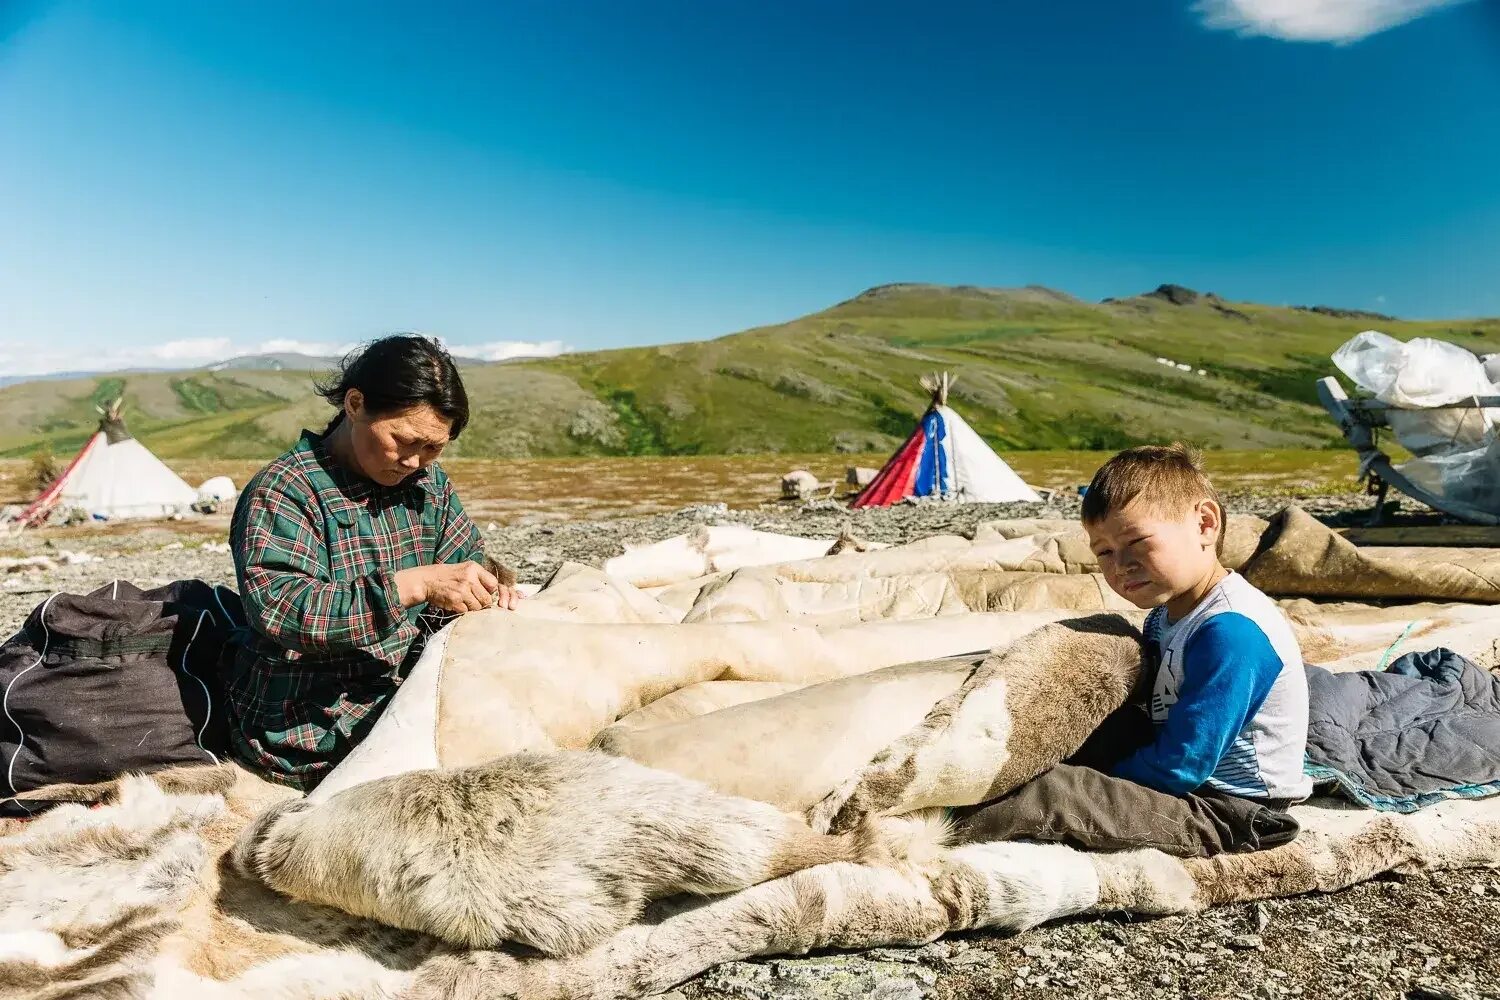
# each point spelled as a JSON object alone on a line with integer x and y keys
{"x": 390, "y": 447}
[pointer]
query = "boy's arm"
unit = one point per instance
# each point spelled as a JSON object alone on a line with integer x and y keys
{"x": 1229, "y": 668}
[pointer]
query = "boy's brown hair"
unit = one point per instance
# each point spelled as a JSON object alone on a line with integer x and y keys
{"x": 1167, "y": 477}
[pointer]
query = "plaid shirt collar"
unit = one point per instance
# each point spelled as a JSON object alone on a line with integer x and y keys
{"x": 344, "y": 490}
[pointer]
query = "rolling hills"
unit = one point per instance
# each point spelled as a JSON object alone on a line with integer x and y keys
{"x": 1036, "y": 368}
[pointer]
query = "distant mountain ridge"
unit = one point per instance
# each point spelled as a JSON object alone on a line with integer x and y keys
{"x": 6, "y": 380}
{"x": 279, "y": 361}
{"x": 1035, "y": 368}
{"x": 272, "y": 361}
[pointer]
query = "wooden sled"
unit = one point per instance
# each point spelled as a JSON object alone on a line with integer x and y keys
{"x": 1360, "y": 418}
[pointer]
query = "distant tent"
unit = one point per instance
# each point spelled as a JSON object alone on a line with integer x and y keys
{"x": 944, "y": 458}
{"x": 114, "y": 476}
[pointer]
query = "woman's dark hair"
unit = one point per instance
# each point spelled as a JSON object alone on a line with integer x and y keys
{"x": 396, "y": 373}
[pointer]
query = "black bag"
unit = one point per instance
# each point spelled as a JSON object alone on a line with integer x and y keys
{"x": 119, "y": 680}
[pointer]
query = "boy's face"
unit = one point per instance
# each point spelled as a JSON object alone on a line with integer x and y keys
{"x": 1149, "y": 557}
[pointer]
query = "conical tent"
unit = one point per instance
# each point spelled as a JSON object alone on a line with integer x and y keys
{"x": 114, "y": 476}
{"x": 944, "y": 458}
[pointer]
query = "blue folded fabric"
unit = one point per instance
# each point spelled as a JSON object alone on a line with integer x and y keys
{"x": 1424, "y": 730}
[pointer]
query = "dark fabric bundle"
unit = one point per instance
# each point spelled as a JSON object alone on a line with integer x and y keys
{"x": 118, "y": 680}
{"x": 1425, "y": 729}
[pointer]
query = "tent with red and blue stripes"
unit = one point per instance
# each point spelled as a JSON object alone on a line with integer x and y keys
{"x": 944, "y": 459}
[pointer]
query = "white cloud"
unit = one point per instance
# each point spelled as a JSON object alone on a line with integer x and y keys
{"x": 175, "y": 352}
{"x": 27, "y": 359}
{"x": 1339, "y": 21}
{"x": 504, "y": 350}
{"x": 315, "y": 348}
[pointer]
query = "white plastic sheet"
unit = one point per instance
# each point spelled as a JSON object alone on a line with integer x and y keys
{"x": 1420, "y": 372}
{"x": 1457, "y": 450}
{"x": 1471, "y": 477}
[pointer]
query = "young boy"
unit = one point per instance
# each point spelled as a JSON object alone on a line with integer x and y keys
{"x": 1215, "y": 759}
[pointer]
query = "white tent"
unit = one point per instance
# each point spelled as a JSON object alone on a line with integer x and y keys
{"x": 114, "y": 476}
{"x": 944, "y": 458}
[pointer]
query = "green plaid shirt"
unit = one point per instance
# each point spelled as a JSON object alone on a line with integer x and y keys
{"x": 316, "y": 551}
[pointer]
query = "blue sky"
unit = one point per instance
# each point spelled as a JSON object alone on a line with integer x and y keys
{"x": 184, "y": 180}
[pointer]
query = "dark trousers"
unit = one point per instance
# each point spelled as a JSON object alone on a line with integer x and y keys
{"x": 1078, "y": 804}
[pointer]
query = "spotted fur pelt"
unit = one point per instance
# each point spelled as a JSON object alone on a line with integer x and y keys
{"x": 87, "y": 896}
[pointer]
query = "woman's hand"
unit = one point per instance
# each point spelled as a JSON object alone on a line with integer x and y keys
{"x": 507, "y": 597}
{"x": 456, "y": 587}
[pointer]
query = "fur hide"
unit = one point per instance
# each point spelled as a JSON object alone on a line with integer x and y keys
{"x": 158, "y": 915}
{"x": 552, "y": 850}
{"x": 85, "y": 893}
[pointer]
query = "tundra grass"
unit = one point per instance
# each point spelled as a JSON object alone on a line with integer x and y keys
{"x": 1036, "y": 370}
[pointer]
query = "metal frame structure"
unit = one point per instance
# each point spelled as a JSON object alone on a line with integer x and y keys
{"x": 1359, "y": 419}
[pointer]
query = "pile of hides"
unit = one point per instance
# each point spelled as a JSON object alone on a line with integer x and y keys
{"x": 862, "y": 687}
{"x": 719, "y": 548}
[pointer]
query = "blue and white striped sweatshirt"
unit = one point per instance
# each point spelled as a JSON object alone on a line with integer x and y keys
{"x": 1229, "y": 699}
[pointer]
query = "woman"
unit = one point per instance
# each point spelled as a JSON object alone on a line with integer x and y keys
{"x": 349, "y": 549}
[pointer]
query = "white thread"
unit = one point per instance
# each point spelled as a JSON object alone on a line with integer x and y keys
{"x": 229, "y": 617}
{"x": 208, "y": 700}
{"x": 114, "y": 595}
{"x": 10, "y": 770}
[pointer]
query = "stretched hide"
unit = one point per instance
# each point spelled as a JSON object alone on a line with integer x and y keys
{"x": 942, "y": 733}
{"x": 579, "y": 593}
{"x": 495, "y": 682}
{"x": 514, "y": 683}
{"x": 1064, "y": 544}
{"x": 925, "y": 579}
{"x": 1020, "y": 527}
{"x": 1300, "y": 557}
{"x": 499, "y": 853}
{"x": 1018, "y": 714}
{"x": 778, "y": 593}
{"x": 699, "y": 699}
{"x": 719, "y": 548}
{"x": 1023, "y": 565}
{"x": 1344, "y": 637}
{"x": 791, "y": 749}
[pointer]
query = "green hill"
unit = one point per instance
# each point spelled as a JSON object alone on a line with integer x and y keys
{"x": 1035, "y": 368}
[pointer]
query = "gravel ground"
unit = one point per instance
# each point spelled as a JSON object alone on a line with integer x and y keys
{"x": 1419, "y": 937}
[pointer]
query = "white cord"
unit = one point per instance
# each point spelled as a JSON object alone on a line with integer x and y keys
{"x": 208, "y": 700}
{"x": 10, "y": 770}
{"x": 227, "y": 616}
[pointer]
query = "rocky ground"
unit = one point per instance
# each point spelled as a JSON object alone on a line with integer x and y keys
{"x": 1418, "y": 937}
